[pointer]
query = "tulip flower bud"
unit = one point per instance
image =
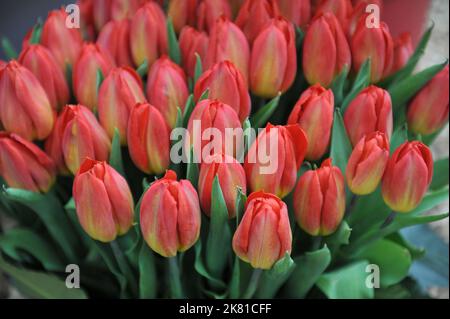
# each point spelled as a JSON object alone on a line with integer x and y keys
{"x": 64, "y": 43}
{"x": 226, "y": 83}
{"x": 77, "y": 135}
{"x": 170, "y": 215}
{"x": 103, "y": 201}
{"x": 146, "y": 45}
{"x": 41, "y": 63}
{"x": 87, "y": 18}
{"x": 296, "y": 11}
{"x": 125, "y": 9}
{"x": 192, "y": 42}
{"x": 92, "y": 59}
{"x": 367, "y": 163}
{"x": 274, "y": 159}
{"x": 254, "y": 16}
{"x": 369, "y": 112}
{"x": 182, "y": 13}
{"x": 264, "y": 235}
{"x": 24, "y": 105}
{"x": 403, "y": 50}
{"x": 209, "y": 11}
{"x": 119, "y": 93}
{"x": 231, "y": 176}
{"x": 114, "y": 39}
{"x": 376, "y": 44}
{"x": 101, "y": 10}
{"x": 24, "y": 165}
{"x": 227, "y": 42}
{"x": 319, "y": 200}
{"x": 167, "y": 89}
{"x": 428, "y": 111}
{"x": 148, "y": 139}
{"x": 408, "y": 174}
{"x": 274, "y": 59}
{"x": 342, "y": 10}
{"x": 360, "y": 9}
{"x": 325, "y": 34}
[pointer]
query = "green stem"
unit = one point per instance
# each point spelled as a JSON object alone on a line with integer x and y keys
{"x": 253, "y": 283}
{"x": 317, "y": 242}
{"x": 176, "y": 288}
{"x": 389, "y": 220}
{"x": 125, "y": 267}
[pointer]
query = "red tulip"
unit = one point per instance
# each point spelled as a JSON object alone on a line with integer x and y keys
{"x": 125, "y": 9}
{"x": 119, "y": 93}
{"x": 274, "y": 159}
{"x": 87, "y": 18}
{"x": 103, "y": 201}
{"x": 170, "y": 215}
{"x": 192, "y": 42}
{"x": 114, "y": 39}
{"x": 360, "y": 9}
{"x": 24, "y": 105}
{"x": 296, "y": 11}
{"x": 319, "y": 200}
{"x": 182, "y": 13}
{"x": 370, "y": 111}
{"x": 264, "y": 235}
{"x": 403, "y": 50}
{"x": 148, "y": 139}
{"x": 101, "y": 10}
{"x": 326, "y": 52}
{"x": 314, "y": 113}
{"x": 24, "y": 165}
{"x": 2, "y": 64}
{"x": 226, "y": 83}
{"x": 209, "y": 11}
{"x": 408, "y": 174}
{"x": 342, "y": 9}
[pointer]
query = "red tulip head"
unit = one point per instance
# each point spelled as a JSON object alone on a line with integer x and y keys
{"x": 342, "y": 9}
{"x": 403, "y": 50}
{"x": 114, "y": 39}
{"x": 209, "y": 11}
{"x": 182, "y": 13}
{"x": 192, "y": 42}
{"x": 296, "y": 11}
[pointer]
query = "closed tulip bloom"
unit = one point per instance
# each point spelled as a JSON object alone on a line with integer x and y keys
{"x": 41, "y": 63}
{"x": 226, "y": 83}
{"x": 167, "y": 89}
{"x": 64, "y": 43}
{"x": 428, "y": 111}
{"x": 231, "y": 176}
{"x": 227, "y": 42}
{"x": 24, "y": 105}
{"x": 192, "y": 42}
{"x": 125, "y": 9}
{"x": 403, "y": 50}
{"x": 408, "y": 174}
{"x": 367, "y": 163}
{"x": 326, "y": 52}
{"x": 274, "y": 159}
{"x": 264, "y": 235}
{"x": 170, "y": 215}
{"x": 274, "y": 59}
{"x": 119, "y": 93}
{"x": 87, "y": 18}
{"x": 24, "y": 165}
{"x": 148, "y": 139}
{"x": 342, "y": 9}
{"x": 319, "y": 200}
{"x": 146, "y": 45}
{"x": 114, "y": 39}
{"x": 103, "y": 201}
{"x": 209, "y": 11}
{"x": 77, "y": 135}
{"x": 101, "y": 10}
{"x": 359, "y": 10}
{"x": 92, "y": 59}
{"x": 296, "y": 11}
{"x": 369, "y": 112}
{"x": 182, "y": 13}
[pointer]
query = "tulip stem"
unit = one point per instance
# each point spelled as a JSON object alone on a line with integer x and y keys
{"x": 253, "y": 283}
{"x": 388, "y": 220}
{"x": 125, "y": 267}
{"x": 317, "y": 242}
{"x": 176, "y": 288}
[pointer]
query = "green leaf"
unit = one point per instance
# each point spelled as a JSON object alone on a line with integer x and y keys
{"x": 440, "y": 174}
{"x": 339, "y": 238}
{"x": 241, "y": 200}
{"x": 235, "y": 283}
{"x": 201, "y": 269}
{"x": 148, "y": 283}
{"x": 398, "y": 238}
{"x": 431, "y": 200}
{"x": 9, "y": 50}
{"x": 272, "y": 280}
{"x": 429, "y": 139}
{"x": 338, "y": 86}
{"x": 198, "y": 68}
{"x": 399, "y": 137}
{"x": 249, "y": 137}
{"x": 341, "y": 148}
{"x": 362, "y": 81}
{"x": 176, "y": 167}
{"x": 142, "y": 70}
{"x": 174, "y": 48}
{"x": 192, "y": 168}
{"x": 299, "y": 36}
{"x": 262, "y": 115}
{"x": 36, "y": 34}
{"x": 115, "y": 159}
{"x": 204, "y": 96}
{"x": 189, "y": 107}
{"x": 348, "y": 282}
{"x": 99, "y": 79}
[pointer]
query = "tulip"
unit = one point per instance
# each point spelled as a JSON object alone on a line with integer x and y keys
{"x": 103, "y": 201}
{"x": 342, "y": 10}
{"x": 182, "y": 13}
{"x": 101, "y": 10}
{"x": 254, "y": 16}
{"x": 24, "y": 105}
{"x": 2, "y": 64}
{"x": 170, "y": 215}
{"x": 119, "y": 93}
{"x": 369, "y": 112}
{"x": 92, "y": 59}
{"x": 145, "y": 44}
{"x": 359, "y": 11}
{"x": 326, "y": 52}
{"x": 227, "y": 42}
{"x": 209, "y": 11}
{"x": 274, "y": 59}
{"x": 408, "y": 174}
{"x": 148, "y": 139}
{"x": 226, "y": 83}
{"x": 296, "y": 11}
{"x": 428, "y": 112}
{"x": 231, "y": 176}
{"x": 319, "y": 200}
{"x": 376, "y": 44}
{"x": 167, "y": 89}
{"x": 274, "y": 159}
{"x": 403, "y": 50}
{"x": 192, "y": 42}
{"x": 314, "y": 113}
{"x": 264, "y": 235}
{"x": 87, "y": 18}
{"x": 367, "y": 163}
{"x": 41, "y": 63}
{"x": 24, "y": 165}
{"x": 77, "y": 135}
{"x": 64, "y": 43}
{"x": 125, "y": 9}
{"x": 114, "y": 39}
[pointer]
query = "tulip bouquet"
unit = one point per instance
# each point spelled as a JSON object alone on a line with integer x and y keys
{"x": 218, "y": 149}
